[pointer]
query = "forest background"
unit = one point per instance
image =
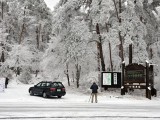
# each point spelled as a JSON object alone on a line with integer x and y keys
{"x": 78, "y": 40}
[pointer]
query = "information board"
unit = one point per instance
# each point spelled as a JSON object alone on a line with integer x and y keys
{"x": 111, "y": 79}
{"x": 106, "y": 78}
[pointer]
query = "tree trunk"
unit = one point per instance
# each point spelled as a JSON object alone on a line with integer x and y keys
{"x": 100, "y": 49}
{"x": 73, "y": 76}
{"x": 2, "y": 9}
{"x": 120, "y": 37}
{"x": 120, "y": 10}
{"x": 67, "y": 74}
{"x": 98, "y": 58}
{"x": 121, "y": 47}
{"x": 40, "y": 36}
{"x": 151, "y": 53}
{"x": 2, "y": 59}
{"x": 37, "y": 38}
{"x": 18, "y": 71}
{"x": 37, "y": 73}
{"x": 78, "y": 72}
{"x": 21, "y": 34}
{"x": 107, "y": 28}
{"x": 110, "y": 54}
{"x": 116, "y": 9}
{"x": 23, "y": 28}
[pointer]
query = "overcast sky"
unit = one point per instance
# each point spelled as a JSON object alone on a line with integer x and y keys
{"x": 51, "y": 3}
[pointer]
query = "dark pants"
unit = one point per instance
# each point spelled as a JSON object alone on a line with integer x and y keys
{"x": 5, "y": 85}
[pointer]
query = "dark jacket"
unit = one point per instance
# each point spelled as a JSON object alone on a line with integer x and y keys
{"x": 6, "y": 81}
{"x": 94, "y": 88}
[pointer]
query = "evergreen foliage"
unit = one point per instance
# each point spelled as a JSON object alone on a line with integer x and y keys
{"x": 36, "y": 41}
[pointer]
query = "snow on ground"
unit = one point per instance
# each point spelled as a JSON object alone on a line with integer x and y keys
{"x": 19, "y": 93}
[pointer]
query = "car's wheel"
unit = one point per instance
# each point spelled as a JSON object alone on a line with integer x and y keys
{"x": 31, "y": 92}
{"x": 59, "y": 96}
{"x": 44, "y": 95}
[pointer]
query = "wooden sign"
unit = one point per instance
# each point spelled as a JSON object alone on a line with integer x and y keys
{"x": 134, "y": 73}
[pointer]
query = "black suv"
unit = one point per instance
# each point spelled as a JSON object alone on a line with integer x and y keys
{"x": 47, "y": 89}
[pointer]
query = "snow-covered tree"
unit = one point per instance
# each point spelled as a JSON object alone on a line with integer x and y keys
{"x": 72, "y": 33}
{"x": 26, "y": 31}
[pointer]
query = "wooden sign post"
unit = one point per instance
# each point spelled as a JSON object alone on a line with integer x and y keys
{"x": 137, "y": 76}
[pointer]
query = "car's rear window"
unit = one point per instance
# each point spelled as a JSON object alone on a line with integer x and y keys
{"x": 57, "y": 84}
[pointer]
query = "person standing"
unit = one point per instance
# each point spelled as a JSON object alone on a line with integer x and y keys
{"x": 6, "y": 82}
{"x": 94, "y": 88}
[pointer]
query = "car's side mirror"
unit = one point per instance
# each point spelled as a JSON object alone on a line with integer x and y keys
{"x": 35, "y": 85}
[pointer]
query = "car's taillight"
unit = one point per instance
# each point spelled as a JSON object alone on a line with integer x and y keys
{"x": 52, "y": 89}
{"x": 63, "y": 89}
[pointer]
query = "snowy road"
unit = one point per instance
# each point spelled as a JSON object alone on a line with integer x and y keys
{"x": 78, "y": 111}
{"x": 76, "y": 106}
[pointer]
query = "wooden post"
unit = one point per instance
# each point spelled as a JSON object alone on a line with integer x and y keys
{"x": 130, "y": 61}
{"x": 122, "y": 82}
{"x": 147, "y": 79}
{"x": 130, "y": 53}
{"x": 149, "y": 94}
{"x": 151, "y": 80}
{"x": 151, "y": 74}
